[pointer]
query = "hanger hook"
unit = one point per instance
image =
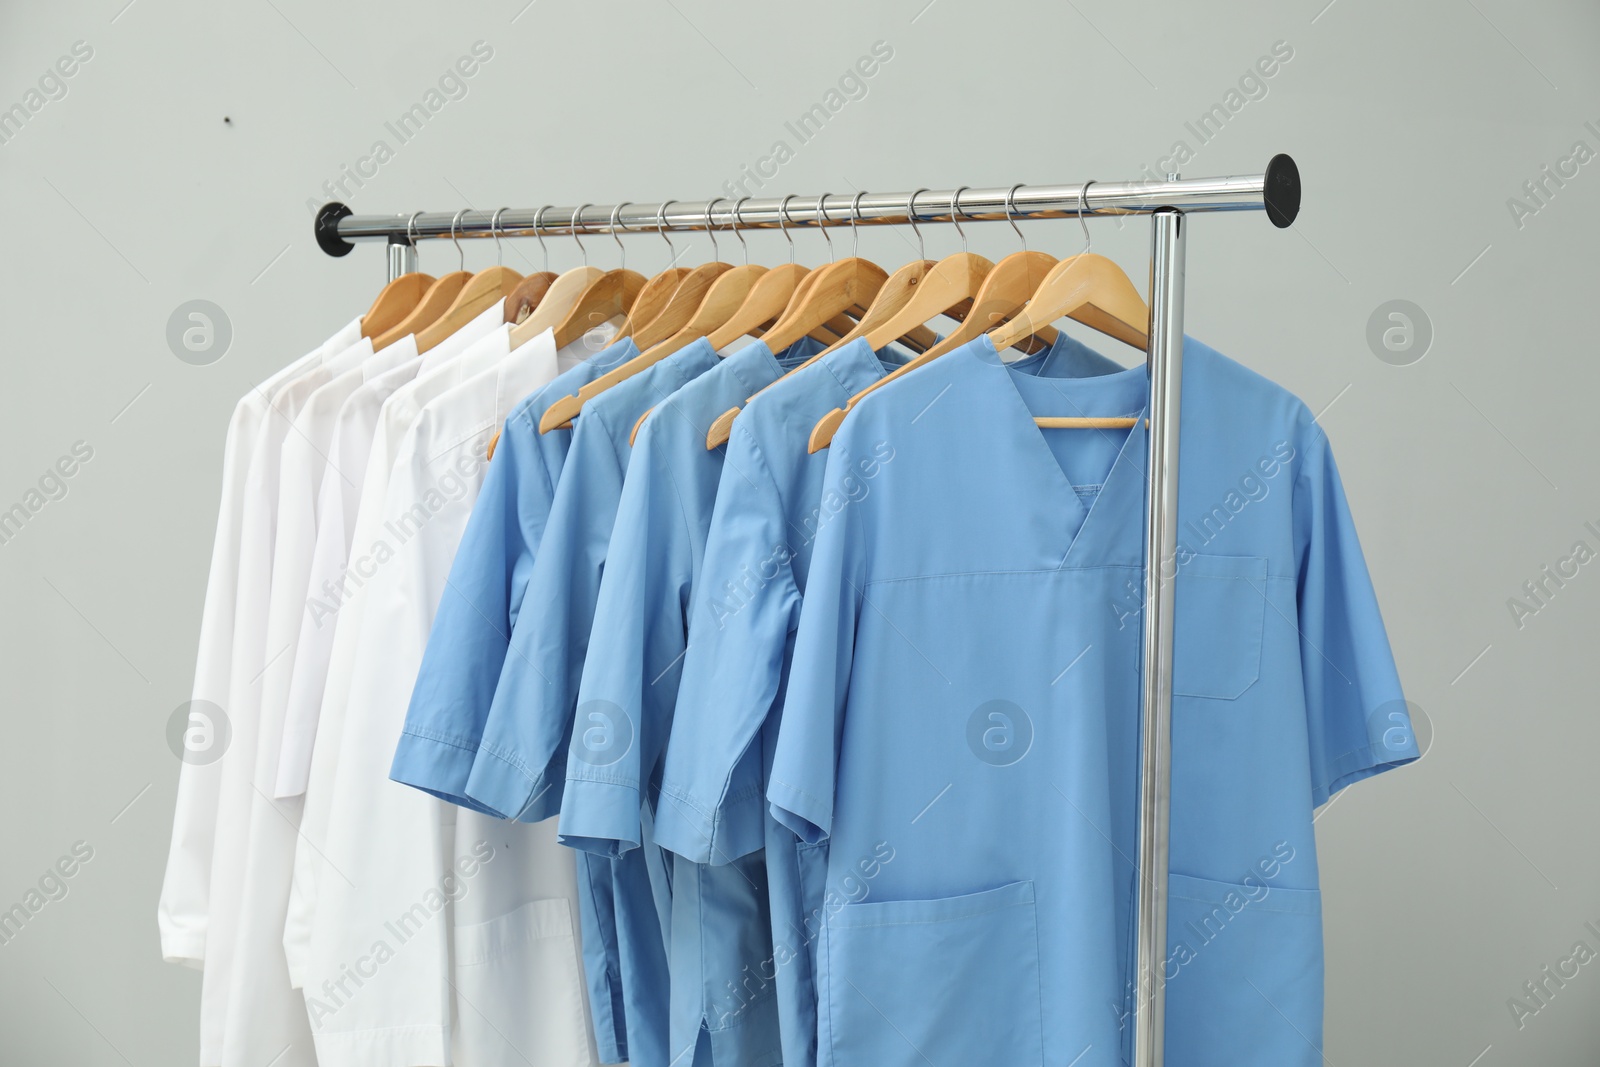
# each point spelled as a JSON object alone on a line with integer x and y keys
{"x": 855, "y": 217}
{"x": 661, "y": 229}
{"x": 1083, "y": 219}
{"x": 711, "y": 228}
{"x": 573, "y": 226}
{"x": 538, "y": 232}
{"x": 411, "y": 232}
{"x": 1011, "y": 207}
{"x": 911, "y": 217}
{"x": 494, "y": 231}
{"x": 822, "y": 224}
{"x": 783, "y": 223}
{"x": 616, "y": 213}
{"x": 955, "y": 214}
{"x": 453, "y": 222}
{"x": 738, "y": 228}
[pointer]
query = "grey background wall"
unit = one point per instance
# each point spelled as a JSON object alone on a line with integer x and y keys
{"x": 179, "y": 161}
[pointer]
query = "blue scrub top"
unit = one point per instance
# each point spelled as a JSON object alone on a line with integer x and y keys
{"x": 770, "y": 503}
{"x": 467, "y": 646}
{"x": 719, "y": 929}
{"x": 961, "y": 716}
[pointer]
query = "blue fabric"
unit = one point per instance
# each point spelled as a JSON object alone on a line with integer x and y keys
{"x": 521, "y": 759}
{"x": 960, "y": 719}
{"x": 719, "y": 925}
{"x": 770, "y": 503}
{"x": 467, "y": 646}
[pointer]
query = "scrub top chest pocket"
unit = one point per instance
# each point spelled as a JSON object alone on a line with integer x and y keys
{"x": 1220, "y": 610}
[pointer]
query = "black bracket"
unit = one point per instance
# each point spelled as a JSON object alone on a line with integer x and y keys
{"x": 327, "y": 228}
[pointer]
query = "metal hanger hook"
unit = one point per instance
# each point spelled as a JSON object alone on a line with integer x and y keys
{"x": 616, "y": 213}
{"x": 855, "y": 217}
{"x": 711, "y": 228}
{"x": 411, "y": 231}
{"x": 538, "y": 232}
{"x": 911, "y": 217}
{"x": 453, "y": 223}
{"x": 1011, "y": 207}
{"x": 822, "y": 224}
{"x": 783, "y": 223}
{"x": 494, "y": 231}
{"x": 738, "y": 228}
{"x": 573, "y": 226}
{"x": 661, "y": 230}
{"x": 1083, "y": 218}
{"x": 955, "y": 214}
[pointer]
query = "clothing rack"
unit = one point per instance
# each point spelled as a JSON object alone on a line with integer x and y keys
{"x": 1275, "y": 191}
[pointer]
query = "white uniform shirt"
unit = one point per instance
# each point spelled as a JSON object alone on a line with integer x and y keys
{"x": 393, "y": 420}
{"x": 182, "y": 910}
{"x": 266, "y": 1017}
{"x": 257, "y": 533}
{"x": 380, "y": 986}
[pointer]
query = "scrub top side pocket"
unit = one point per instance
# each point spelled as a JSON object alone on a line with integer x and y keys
{"x": 954, "y": 980}
{"x": 1219, "y": 616}
{"x": 1244, "y": 977}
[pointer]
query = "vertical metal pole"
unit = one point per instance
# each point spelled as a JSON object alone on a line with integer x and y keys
{"x": 402, "y": 257}
{"x": 1161, "y": 538}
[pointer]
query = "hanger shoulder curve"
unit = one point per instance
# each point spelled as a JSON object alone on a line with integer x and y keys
{"x": 481, "y": 292}
{"x": 433, "y": 304}
{"x": 394, "y": 302}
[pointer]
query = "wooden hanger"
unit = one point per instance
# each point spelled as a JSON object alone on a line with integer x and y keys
{"x": 830, "y": 333}
{"x": 481, "y": 292}
{"x": 724, "y": 297}
{"x": 395, "y": 301}
{"x": 526, "y": 296}
{"x": 651, "y": 333}
{"x": 1095, "y": 292}
{"x": 829, "y": 291}
{"x": 887, "y": 304}
{"x": 433, "y": 304}
{"x": 1003, "y": 293}
{"x": 610, "y": 296}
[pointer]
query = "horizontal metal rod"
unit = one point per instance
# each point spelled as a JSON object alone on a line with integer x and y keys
{"x": 1276, "y": 191}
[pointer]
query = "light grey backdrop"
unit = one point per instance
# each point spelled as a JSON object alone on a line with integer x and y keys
{"x": 178, "y": 161}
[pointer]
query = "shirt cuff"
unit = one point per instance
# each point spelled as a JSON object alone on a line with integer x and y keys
{"x": 503, "y": 787}
{"x": 1365, "y": 762}
{"x": 184, "y": 947}
{"x": 810, "y": 819}
{"x": 705, "y": 835}
{"x": 437, "y": 765}
{"x": 600, "y": 817}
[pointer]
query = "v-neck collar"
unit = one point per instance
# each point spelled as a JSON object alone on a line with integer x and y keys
{"x": 1109, "y": 530}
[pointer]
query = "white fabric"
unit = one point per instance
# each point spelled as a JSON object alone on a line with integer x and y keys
{"x": 394, "y": 418}
{"x": 337, "y": 513}
{"x": 266, "y": 1020}
{"x": 257, "y": 532}
{"x": 182, "y": 911}
{"x": 389, "y": 918}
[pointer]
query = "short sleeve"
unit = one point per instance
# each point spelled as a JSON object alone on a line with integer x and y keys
{"x": 472, "y": 631}
{"x": 745, "y": 604}
{"x": 1356, "y": 716}
{"x": 805, "y": 764}
{"x": 629, "y": 679}
{"x": 517, "y": 771}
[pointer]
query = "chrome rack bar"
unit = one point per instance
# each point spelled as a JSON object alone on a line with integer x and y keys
{"x": 1275, "y": 191}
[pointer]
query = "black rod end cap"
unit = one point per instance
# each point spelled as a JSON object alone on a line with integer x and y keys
{"x": 1281, "y": 190}
{"x": 327, "y": 228}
